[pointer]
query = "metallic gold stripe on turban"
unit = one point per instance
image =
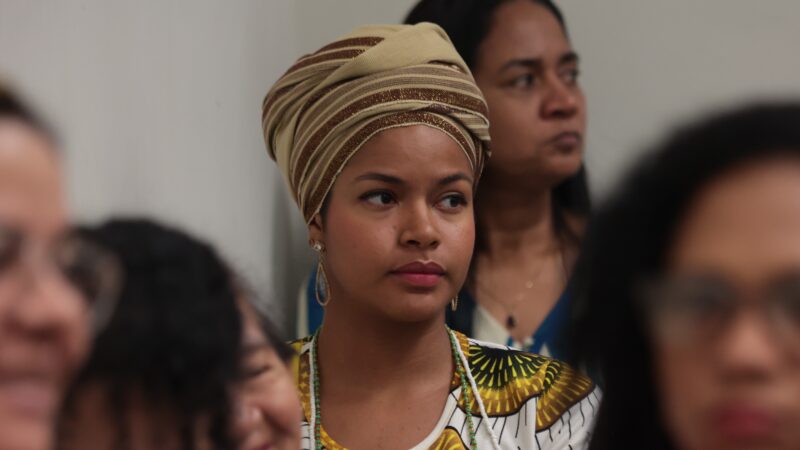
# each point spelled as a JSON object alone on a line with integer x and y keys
{"x": 323, "y": 109}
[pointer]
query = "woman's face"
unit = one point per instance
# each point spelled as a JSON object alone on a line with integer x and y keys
{"x": 527, "y": 71}
{"x": 43, "y": 320}
{"x": 267, "y": 407}
{"x": 727, "y": 355}
{"x": 398, "y": 231}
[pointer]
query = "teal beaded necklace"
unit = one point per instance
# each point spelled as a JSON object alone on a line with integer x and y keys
{"x": 462, "y": 376}
{"x": 465, "y": 390}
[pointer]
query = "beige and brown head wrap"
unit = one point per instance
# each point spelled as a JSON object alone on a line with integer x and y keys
{"x": 329, "y": 103}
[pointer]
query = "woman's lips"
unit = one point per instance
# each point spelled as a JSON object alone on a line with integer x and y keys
{"x": 420, "y": 274}
{"x": 743, "y": 422}
{"x": 419, "y": 279}
{"x": 29, "y": 396}
{"x": 567, "y": 141}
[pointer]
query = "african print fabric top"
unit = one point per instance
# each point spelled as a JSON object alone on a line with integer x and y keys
{"x": 533, "y": 402}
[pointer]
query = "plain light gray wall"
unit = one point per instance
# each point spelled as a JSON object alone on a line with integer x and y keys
{"x": 159, "y": 106}
{"x": 648, "y": 65}
{"x": 159, "y": 101}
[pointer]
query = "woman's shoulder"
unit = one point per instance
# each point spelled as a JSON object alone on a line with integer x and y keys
{"x": 507, "y": 379}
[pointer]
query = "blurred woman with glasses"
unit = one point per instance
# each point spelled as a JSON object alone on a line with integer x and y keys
{"x": 51, "y": 282}
{"x": 690, "y": 290}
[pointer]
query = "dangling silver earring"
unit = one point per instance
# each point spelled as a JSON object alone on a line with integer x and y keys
{"x": 454, "y": 303}
{"x": 321, "y": 282}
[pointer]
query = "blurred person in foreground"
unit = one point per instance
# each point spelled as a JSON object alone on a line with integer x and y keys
{"x": 265, "y": 398}
{"x": 689, "y": 290}
{"x": 55, "y": 288}
{"x": 186, "y": 361}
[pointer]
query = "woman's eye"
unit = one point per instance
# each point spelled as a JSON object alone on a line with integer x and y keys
{"x": 380, "y": 198}
{"x": 523, "y": 81}
{"x": 453, "y": 201}
{"x": 570, "y": 76}
{"x": 255, "y": 371}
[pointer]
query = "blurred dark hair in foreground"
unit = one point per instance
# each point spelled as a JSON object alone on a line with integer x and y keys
{"x": 628, "y": 241}
{"x": 166, "y": 359}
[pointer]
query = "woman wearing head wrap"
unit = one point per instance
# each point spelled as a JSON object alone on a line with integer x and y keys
{"x": 382, "y": 137}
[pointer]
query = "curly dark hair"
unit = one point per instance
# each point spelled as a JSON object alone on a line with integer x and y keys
{"x": 627, "y": 242}
{"x": 175, "y": 336}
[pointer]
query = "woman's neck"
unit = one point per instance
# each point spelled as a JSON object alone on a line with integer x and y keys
{"x": 515, "y": 220}
{"x": 368, "y": 353}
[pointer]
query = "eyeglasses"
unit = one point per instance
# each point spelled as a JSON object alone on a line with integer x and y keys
{"x": 691, "y": 310}
{"x": 87, "y": 266}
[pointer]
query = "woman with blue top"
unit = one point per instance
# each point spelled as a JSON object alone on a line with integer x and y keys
{"x": 533, "y": 197}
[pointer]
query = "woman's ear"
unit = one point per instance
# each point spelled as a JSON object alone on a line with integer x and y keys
{"x": 315, "y": 230}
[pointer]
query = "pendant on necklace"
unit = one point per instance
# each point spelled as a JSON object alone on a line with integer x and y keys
{"x": 510, "y": 322}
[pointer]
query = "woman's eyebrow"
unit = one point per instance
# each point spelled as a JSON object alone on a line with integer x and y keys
{"x": 568, "y": 58}
{"x": 538, "y": 63}
{"x": 455, "y": 177}
{"x": 376, "y": 176}
{"x": 528, "y": 63}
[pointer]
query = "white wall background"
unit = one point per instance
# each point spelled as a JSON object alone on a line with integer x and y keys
{"x": 651, "y": 64}
{"x": 159, "y": 101}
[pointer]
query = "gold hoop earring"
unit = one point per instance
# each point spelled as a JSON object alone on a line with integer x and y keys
{"x": 454, "y": 303}
{"x": 321, "y": 279}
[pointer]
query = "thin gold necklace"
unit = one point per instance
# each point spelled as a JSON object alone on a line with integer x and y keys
{"x": 511, "y": 320}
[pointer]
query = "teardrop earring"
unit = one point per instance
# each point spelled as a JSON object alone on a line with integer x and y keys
{"x": 322, "y": 291}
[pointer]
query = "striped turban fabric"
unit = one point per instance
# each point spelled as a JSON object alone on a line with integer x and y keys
{"x": 329, "y": 103}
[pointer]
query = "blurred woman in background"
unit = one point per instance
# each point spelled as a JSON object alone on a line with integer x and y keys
{"x": 533, "y": 200}
{"x": 382, "y": 136}
{"x": 53, "y": 285}
{"x": 186, "y": 362}
{"x": 689, "y": 290}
